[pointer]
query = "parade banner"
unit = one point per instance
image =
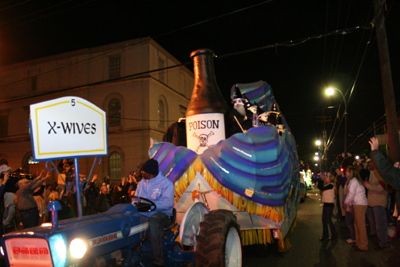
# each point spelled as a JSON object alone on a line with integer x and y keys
{"x": 67, "y": 127}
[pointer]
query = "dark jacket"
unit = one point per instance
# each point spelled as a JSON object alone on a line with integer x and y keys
{"x": 102, "y": 203}
{"x": 389, "y": 173}
{"x": 91, "y": 194}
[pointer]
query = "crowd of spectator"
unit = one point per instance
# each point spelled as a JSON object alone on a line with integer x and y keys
{"x": 365, "y": 199}
{"x": 25, "y": 200}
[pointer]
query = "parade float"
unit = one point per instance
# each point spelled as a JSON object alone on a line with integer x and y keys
{"x": 229, "y": 193}
{"x": 254, "y": 174}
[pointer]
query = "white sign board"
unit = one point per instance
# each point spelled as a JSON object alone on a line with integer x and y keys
{"x": 67, "y": 127}
{"x": 204, "y": 130}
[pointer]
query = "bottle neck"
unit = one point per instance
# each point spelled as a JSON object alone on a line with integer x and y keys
{"x": 206, "y": 96}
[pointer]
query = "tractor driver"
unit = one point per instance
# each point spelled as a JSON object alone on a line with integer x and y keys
{"x": 159, "y": 189}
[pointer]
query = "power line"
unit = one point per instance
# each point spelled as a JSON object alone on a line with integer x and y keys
{"x": 336, "y": 37}
{"x": 379, "y": 123}
{"x": 6, "y": 2}
{"x": 45, "y": 16}
{"x": 167, "y": 33}
{"x": 79, "y": 62}
{"x": 13, "y": 5}
{"x": 287, "y": 44}
{"x": 211, "y": 19}
{"x": 367, "y": 48}
{"x": 296, "y": 42}
{"x": 94, "y": 84}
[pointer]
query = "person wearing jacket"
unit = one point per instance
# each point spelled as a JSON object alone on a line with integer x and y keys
{"x": 358, "y": 200}
{"x": 26, "y": 203}
{"x": 377, "y": 201}
{"x": 328, "y": 198}
{"x": 159, "y": 189}
{"x": 389, "y": 173}
{"x": 102, "y": 202}
{"x": 91, "y": 194}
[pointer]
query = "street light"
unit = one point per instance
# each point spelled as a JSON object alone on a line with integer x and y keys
{"x": 331, "y": 91}
{"x": 317, "y": 158}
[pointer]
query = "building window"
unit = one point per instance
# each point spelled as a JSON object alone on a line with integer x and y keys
{"x": 29, "y": 165}
{"x": 115, "y": 166}
{"x": 161, "y": 114}
{"x": 4, "y": 125}
{"x": 114, "y": 67}
{"x": 114, "y": 112}
{"x": 31, "y": 161}
{"x": 161, "y": 65}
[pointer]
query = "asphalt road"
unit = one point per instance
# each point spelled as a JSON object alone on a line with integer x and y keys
{"x": 307, "y": 250}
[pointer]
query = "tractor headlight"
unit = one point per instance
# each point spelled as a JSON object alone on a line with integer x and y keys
{"x": 77, "y": 247}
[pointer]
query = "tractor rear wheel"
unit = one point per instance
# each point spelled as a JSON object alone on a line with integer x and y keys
{"x": 218, "y": 242}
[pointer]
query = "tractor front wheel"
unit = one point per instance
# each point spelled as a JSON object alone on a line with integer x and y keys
{"x": 218, "y": 242}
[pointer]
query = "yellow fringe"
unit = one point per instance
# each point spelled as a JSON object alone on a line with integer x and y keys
{"x": 256, "y": 237}
{"x": 183, "y": 183}
{"x": 274, "y": 214}
{"x": 264, "y": 236}
{"x": 285, "y": 244}
{"x": 248, "y": 237}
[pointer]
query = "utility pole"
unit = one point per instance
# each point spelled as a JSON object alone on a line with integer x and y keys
{"x": 323, "y": 119}
{"x": 387, "y": 84}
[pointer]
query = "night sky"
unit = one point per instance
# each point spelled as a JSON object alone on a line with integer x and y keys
{"x": 297, "y": 74}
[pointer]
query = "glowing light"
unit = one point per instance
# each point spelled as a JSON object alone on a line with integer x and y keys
{"x": 357, "y": 157}
{"x": 330, "y": 91}
{"x": 316, "y": 153}
{"x": 1, "y": 251}
{"x": 61, "y": 249}
{"x": 318, "y": 142}
{"x": 316, "y": 158}
{"x": 77, "y": 248}
{"x": 46, "y": 225}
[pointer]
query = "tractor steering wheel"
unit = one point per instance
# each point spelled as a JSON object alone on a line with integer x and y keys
{"x": 143, "y": 204}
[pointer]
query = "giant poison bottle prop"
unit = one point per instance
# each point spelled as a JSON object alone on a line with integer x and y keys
{"x": 205, "y": 124}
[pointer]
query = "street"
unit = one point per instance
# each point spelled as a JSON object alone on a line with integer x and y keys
{"x": 307, "y": 250}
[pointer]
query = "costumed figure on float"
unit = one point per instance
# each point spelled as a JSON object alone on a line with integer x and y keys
{"x": 254, "y": 173}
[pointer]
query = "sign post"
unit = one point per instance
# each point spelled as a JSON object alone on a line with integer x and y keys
{"x": 68, "y": 127}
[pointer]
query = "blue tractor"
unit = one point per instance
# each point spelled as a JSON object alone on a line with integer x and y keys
{"x": 118, "y": 237}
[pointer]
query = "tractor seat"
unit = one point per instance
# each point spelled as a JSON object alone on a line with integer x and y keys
{"x": 173, "y": 221}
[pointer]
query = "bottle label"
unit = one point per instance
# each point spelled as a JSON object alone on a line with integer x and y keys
{"x": 204, "y": 131}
